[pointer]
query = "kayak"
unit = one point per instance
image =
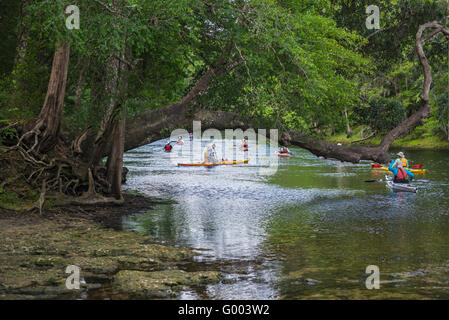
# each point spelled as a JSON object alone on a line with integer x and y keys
{"x": 379, "y": 167}
{"x": 243, "y": 149}
{"x": 280, "y": 154}
{"x": 400, "y": 187}
{"x": 223, "y": 163}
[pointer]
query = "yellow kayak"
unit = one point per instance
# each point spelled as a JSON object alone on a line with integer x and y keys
{"x": 379, "y": 167}
{"x": 223, "y": 163}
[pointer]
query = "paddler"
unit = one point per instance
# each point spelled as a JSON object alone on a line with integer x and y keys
{"x": 213, "y": 154}
{"x": 401, "y": 175}
{"x": 180, "y": 141}
{"x": 284, "y": 150}
{"x": 207, "y": 155}
{"x": 402, "y": 159}
{"x": 245, "y": 144}
{"x": 168, "y": 147}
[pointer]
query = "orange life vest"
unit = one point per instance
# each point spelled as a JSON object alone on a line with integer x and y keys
{"x": 404, "y": 162}
{"x": 402, "y": 175}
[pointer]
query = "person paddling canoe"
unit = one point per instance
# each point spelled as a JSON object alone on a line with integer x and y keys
{"x": 213, "y": 154}
{"x": 402, "y": 159}
{"x": 401, "y": 175}
{"x": 210, "y": 156}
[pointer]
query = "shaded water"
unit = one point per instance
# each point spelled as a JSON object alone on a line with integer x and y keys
{"x": 308, "y": 231}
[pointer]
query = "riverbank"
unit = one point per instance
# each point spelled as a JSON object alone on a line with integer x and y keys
{"x": 416, "y": 141}
{"x": 36, "y": 249}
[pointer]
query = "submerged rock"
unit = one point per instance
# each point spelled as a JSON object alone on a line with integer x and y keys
{"x": 35, "y": 254}
{"x": 163, "y": 284}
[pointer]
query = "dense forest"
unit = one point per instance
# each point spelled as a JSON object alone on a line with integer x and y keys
{"x": 137, "y": 69}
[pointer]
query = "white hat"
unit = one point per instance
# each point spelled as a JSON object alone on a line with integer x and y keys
{"x": 401, "y": 154}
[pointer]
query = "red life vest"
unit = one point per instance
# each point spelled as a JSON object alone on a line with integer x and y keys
{"x": 402, "y": 175}
{"x": 168, "y": 147}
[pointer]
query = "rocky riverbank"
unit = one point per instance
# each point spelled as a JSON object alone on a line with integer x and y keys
{"x": 36, "y": 250}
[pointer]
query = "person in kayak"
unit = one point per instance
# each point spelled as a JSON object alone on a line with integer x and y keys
{"x": 180, "y": 141}
{"x": 168, "y": 147}
{"x": 401, "y": 175}
{"x": 402, "y": 159}
{"x": 210, "y": 155}
{"x": 245, "y": 144}
{"x": 191, "y": 136}
{"x": 206, "y": 156}
{"x": 213, "y": 154}
{"x": 284, "y": 150}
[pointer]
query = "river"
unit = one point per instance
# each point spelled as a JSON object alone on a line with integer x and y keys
{"x": 308, "y": 230}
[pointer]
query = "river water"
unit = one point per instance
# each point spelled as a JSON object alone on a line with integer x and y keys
{"x": 307, "y": 230}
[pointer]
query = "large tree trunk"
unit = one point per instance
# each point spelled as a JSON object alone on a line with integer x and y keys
{"x": 48, "y": 122}
{"x": 115, "y": 159}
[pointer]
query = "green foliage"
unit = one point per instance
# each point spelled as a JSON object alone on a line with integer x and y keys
{"x": 381, "y": 114}
{"x": 298, "y": 64}
{"x": 298, "y": 69}
{"x": 6, "y": 132}
{"x": 9, "y": 16}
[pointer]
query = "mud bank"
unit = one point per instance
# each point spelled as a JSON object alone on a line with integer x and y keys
{"x": 36, "y": 250}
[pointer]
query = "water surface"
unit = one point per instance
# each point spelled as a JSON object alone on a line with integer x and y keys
{"x": 307, "y": 231}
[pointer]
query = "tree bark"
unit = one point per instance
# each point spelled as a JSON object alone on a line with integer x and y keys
{"x": 49, "y": 120}
{"x": 348, "y": 126}
{"x": 115, "y": 159}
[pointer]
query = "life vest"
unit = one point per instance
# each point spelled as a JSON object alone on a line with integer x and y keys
{"x": 168, "y": 147}
{"x": 402, "y": 175}
{"x": 245, "y": 144}
{"x": 284, "y": 150}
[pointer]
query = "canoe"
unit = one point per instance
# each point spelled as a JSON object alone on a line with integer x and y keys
{"x": 400, "y": 187}
{"x": 223, "y": 163}
{"x": 380, "y": 167}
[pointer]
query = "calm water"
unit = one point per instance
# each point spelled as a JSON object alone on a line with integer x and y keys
{"x": 307, "y": 231}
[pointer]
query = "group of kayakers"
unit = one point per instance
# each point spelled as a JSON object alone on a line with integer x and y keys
{"x": 399, "y": 167}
